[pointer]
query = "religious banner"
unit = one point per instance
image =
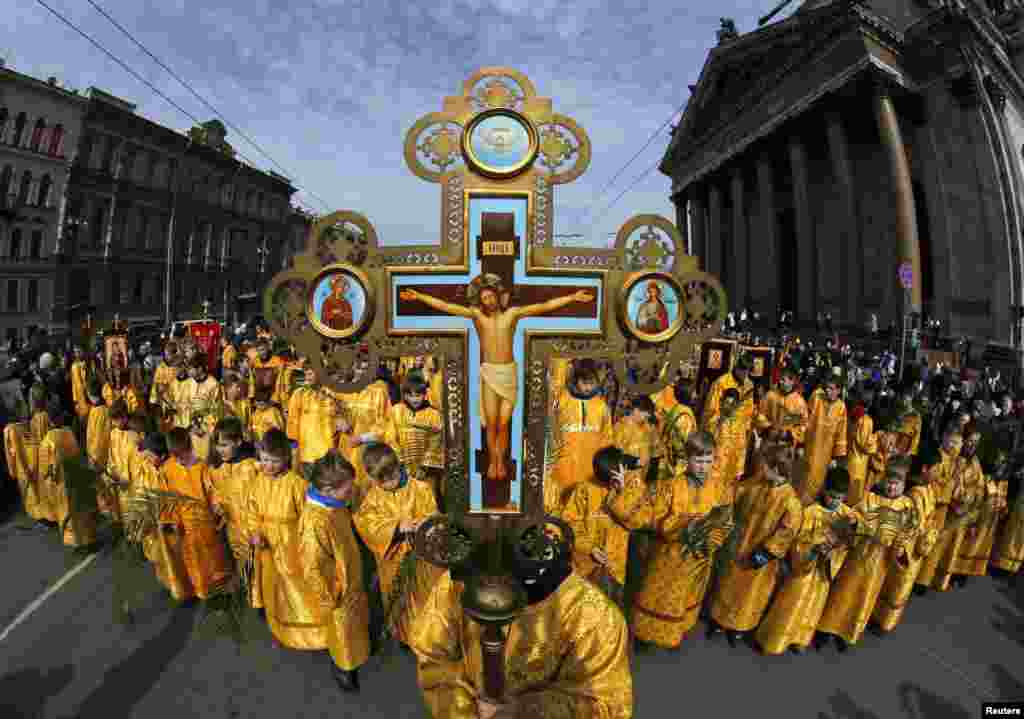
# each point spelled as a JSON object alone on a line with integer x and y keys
{"x": 716, "y": 359}
{"x": 206, "y": 335}
{"x": 762, "y": 359}
{"x": 935, "y": 358}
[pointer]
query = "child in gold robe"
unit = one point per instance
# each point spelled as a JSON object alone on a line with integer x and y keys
{"x": 40, "y": 422}
{"x": 77, "y": 525}
{"x": 237, "y": 402}
{"x": 266, "y": 415}
{"x": 366, "y": 415}
{"x": 816, "y": 558}
{"x": 275, "y": 504}
{"x": 729, "y": 431}
{"x": 584, "y": 424}
{"x": 122, "y": 389}
{"x": 195, "y": 543}
{"x": 966, "y": 500}
{"x": 22, "y": 453}
{"x": 770, "y": 517}
{"x": 387, "y": 520}
{"x": 310, "y": 420}
{"x": 79, "y": 383}
{"x": 860, "y": 581}
{"x": 668, "y": 604}
{"x": 232, "y": 470}
{"x": 863, "y": 444}
{"x": 181, "y": 391}
{"x": 732, "y": 450}
{"x": 826, "y": 436}
{"x": 416, "y": 432}
{"x": 125, "y": 434}
{"x": 636, "y": 434}
{"x": 979, "y": 540}
{"x": 782, "y": 414}
{"x": 677, "y": 424}
{"x": 922, "y": 535}
{"x": 97, "y": 445}
{"x": 1008, "y": 552}
{"x": 602, "y": 543}
{"x": 332, "y": 567}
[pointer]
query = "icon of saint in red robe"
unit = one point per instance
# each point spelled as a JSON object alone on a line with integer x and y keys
{"x": 651, "y": 315}
{"x": 336, "y": 311}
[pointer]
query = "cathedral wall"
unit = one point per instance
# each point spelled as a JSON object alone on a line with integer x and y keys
{"x": 825, "y": 195}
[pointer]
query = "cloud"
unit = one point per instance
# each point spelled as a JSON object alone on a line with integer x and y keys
{"x": 328, "y": 88}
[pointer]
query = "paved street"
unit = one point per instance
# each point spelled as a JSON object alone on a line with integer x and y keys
{"x": 69, "y": 659}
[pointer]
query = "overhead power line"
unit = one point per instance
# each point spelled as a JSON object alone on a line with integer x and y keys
{"x": 141, "y": 79}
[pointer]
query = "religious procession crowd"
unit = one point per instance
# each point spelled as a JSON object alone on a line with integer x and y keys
{"x": 799, "y": 515}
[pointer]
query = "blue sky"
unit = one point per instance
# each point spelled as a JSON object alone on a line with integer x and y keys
{"x": 328, "y": 89}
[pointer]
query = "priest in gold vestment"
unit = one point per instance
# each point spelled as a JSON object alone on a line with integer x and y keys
{"x": 732, "y": 451}
{"x": 332, "y": 566}
{"x": 816, "y": 558}
{"x": 769, "y": 516}
{"x": 783, "y": 413}
{"x": 941, "y": 479}
{"x": 1008, "y": 552}
{"x": 862, "y": 444}
{"x": 567, "y": 655}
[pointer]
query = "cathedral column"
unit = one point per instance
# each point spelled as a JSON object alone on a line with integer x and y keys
{"x": 766, "y": 279}
{"x": 907, "y": 246}
{"x": 806, "y": 299}
{"x": 846, "y": 224}
{"x": 715, "y": 239}
{"x": 698, "y": 225}
{"x": 740, "y": 258}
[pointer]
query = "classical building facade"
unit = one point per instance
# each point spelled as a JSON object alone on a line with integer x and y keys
{"x": 117, "y": 215}
{"x": 40, "y": 125}
{"x": 820, "y": 153}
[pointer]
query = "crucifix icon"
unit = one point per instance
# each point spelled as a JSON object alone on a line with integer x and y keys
{"x": 496, "y": 302}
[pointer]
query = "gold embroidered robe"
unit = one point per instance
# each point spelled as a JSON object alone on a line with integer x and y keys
{"x": 264, "y": 419}
{"x": 369, "y": 409}
{"x": 772, "y": 517}
{"x": 79, "y": 528}
{"x": 230, "y": 484}
{"x": 377, "y": 521}
{"x": 826, "y": 440}
{"x": 127, "y": 394}
{"x": 732, "y": 451}
{"x": 979, "y": 538}
{"x": 79, "y": 385}
{"x": 22, "y": 464}
{"x": 241, "y": 409}
{"x": 567, "y": 656}
{"x": 1008, "y": 552}
{"x": 40, "y": 424}
{"x": 333, "y": 570}
{"x": 161, "y": 395}
{"x": 275, "y": 505}
{"x": 311, "y": 423}
{"x": 416, "y": 436}
{"x": 860, "y": 581}
{"x": 792, "y": 619}
{"x": 668, "y": 603}
{"x": 121, "y": 462}
{"x": 863, "y": 445}
{"x": 942, "y": 476}
{"x": 594, "y": 528}
{"x": 783, "y": 413}
{"x": 909, "y": 431}
{"x": 730, "y": 435}
{"x": 586, "y": 427}
{"x": 97, "y": 449}
{"x": 195, "y": 543}
{"x": 638, "y": 440}
{"x": 968, "y": 488}
{"x": 899, "y": 580}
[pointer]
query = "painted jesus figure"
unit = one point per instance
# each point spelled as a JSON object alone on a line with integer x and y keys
{"x": 487, "y": 305}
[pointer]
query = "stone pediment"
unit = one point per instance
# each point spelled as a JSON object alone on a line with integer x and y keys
{"x": 749, "y": 82}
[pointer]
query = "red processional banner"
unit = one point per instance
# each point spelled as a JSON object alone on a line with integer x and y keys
{"x": 207, "y": 338}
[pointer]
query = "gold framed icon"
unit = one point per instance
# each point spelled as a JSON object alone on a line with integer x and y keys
{"x": 341, "y": 301}
{"x": 500, "y": 143}
{"x": 650, "y": 306}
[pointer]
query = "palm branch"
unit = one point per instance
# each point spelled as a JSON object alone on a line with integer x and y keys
{"x": 82, "y": 485}
{"x": 554, "y": 437}
{"x": 671, "y": 436}
{"x": 208, "y": 406}
{"x": 228, "y": 611}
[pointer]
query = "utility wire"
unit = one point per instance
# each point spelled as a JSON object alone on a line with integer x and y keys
{"x": 130, "y": 71}
{"x": 199, "y": 97}
{"x": 633, "y": 159}
{"x": 622, "y": 194}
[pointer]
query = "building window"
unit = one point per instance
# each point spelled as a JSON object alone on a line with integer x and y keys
{"x": 98, "y": 221}
{"x": 37, "y": 134}
{"x": 15, "y": 248}
{"x": 19, "y": 129}
{"x": 12, "y": 295}
{"x": 4, "y": 119}
{"x": 26, "y": 186}
{"x": 33, "y": 295}
{"x": 35, "y": 248}
{"x": 57, "y": 141}
{"x": 137, "y": 290}
{"x": 159, "y": 288}
{"x": 45, "y": 186}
